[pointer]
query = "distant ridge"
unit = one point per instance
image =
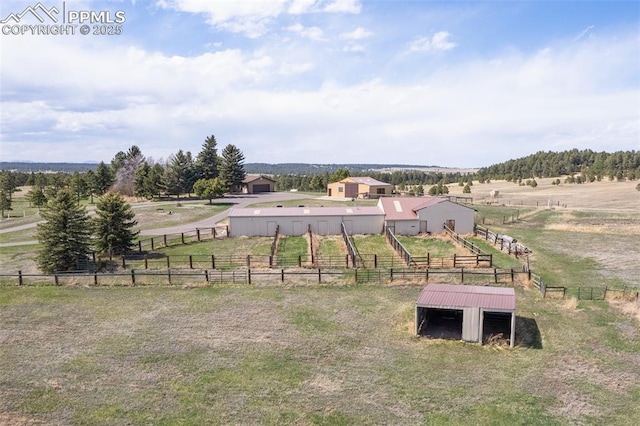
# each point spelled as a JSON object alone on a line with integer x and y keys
{"x": 253, "y": 168}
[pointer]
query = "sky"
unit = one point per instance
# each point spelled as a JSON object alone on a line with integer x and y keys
{"x": 450, "y": 84}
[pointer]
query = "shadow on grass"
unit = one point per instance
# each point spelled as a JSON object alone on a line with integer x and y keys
{"x": 528, "y": 333}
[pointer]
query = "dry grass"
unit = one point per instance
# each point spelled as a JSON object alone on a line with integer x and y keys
{"x": 610, "y": 196}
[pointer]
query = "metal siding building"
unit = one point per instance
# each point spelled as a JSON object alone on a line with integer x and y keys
{"x": 414, "y": 215}
{"x": 473, "y": 312}
{"x": 295, "y": 221}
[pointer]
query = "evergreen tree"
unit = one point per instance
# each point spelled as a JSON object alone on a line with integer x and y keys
{"x": 232, "y": 168}
{"x": 338, "y": 175}
{"x": 207, "y": 160}
{"x": 113, "y": 225}
{"x": 209, "y": 188}
{"x": 5, "y": 201}
{"x": 179, "y": 173}
{"x": 103, "y": 179}
{"x": 36, "y": 197}
{"x": 65, "y": 234}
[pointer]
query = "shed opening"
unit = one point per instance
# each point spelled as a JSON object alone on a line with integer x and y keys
{"x": 440, "y": 323}
{"x": 496, "y": 323}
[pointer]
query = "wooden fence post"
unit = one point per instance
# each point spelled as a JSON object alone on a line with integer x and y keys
{"x": 139, "y": 246}
{"x": 182, "y": 237}
{"x": 213, "y": 262}
{"x": 146, "y": 262}
{"x": 454, "y": 260}
{"x": 319, "y": 275}
{"x": 169, "y": 274}
{"x": 462, "y": 274}
{"x": 391, "y": 275}
{"x": 168, "y": 263}
{"x": 152, "y": 246}
{"x": 282, "y": 275}
{"x": 20, "y": 278}
{"x": 495, "y": 275}
{"x": 55, "y": 278}
{"x": 299, "y": 261}
{"x": 123, "y": 262}
{"x": 133, "y": 278}
{"x": 206, "y": 276}
{"x": 198, "y": 233}
{"x": 249, "y": 262}
{"x": 512, "y": 275}
{"x": 249, "y": 276}
{"x": 190, "y": 261}
{"x": 95, "y": 278}
{"x": 164, "y": 237}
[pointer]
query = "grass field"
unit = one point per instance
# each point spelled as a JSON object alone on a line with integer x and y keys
{"x": 326, "y": 355}
{"x": 335, "y": 354}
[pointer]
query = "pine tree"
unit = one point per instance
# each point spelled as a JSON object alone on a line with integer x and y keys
{"x": 232, "y": 167}
{"x": 65, "y": 234}
{"x": 207, "y": 160}
{"x": 113, "y": 225}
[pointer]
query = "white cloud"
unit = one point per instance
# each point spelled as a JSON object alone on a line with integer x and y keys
{"x": 87, "y": 99}
{"x": 312, "y": 33}
{"x": 352, "y": 47}
{"x": 343, "y": 6}
{"x": 359, "y": 33}
{"x": 253, "y": 18}
{"x": 438, "y": 42}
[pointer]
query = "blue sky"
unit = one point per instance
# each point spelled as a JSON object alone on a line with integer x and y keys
{"x": 453, "y": 84}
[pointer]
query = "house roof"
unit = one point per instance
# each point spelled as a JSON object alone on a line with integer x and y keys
{"x": 365, "y": 180}
{"x": 251, "y": 178}
{"x": 305, "y": 211}
{"x": 467, "y": 296}
{"x": 405, "y": 208}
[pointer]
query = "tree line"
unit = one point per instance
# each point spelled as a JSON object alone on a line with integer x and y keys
{"x": 129, "y": 173}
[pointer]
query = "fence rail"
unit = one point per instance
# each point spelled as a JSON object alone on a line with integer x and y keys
{"x": 168, "y": 240}
{"x": 199, "y": 277}
{"x": 399, "y": 247}
{"x": 506, "y": 243}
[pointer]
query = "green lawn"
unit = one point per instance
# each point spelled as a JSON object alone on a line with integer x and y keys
{"x": 303, "y": 355}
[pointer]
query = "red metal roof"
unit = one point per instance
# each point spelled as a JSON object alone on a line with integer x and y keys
{"x": 467, "y": 296}
{"x": 405, "y": 208}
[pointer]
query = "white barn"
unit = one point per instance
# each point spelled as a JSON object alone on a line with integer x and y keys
{"x": 415, "y": 215}
{"x": 295, "y": 221}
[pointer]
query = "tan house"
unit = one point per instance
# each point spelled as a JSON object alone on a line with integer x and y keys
{"x": 359, "y": 187}
{"x": 256, "y": 184}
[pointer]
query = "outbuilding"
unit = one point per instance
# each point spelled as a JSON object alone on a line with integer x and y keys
{"x": 416, "y": 215}
{"x": 359, "y": 187}
{"x": 469, "y": 313}
{"x": 295, "y": 221}
{"x": 257, "y": 184}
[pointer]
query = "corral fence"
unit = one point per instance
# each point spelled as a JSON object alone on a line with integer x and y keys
{"x": 201, "y": 277}
{"x": 463, "y": 242}
{"x": 505, "y": 242}
{"x": 351, "y": 247}
{"x": 274, "y": 243}
{"x": 399, "y": 248}
{"x": 157, "y": 261}
{"x": 168, "y": 240}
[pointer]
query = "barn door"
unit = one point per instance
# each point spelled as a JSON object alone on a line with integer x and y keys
{"x": 451, "y": 224}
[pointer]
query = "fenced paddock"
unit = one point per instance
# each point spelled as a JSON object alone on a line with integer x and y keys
{"x": 169, "y": 240}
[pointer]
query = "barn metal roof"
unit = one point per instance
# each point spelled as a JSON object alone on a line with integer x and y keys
{"x": 305, "y": 211}
{"x": 403, "y": 208}
{"x": 467, "y": 296}
{"x": 365, "y": 180}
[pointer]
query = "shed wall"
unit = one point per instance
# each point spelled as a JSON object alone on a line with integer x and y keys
{"x": 438, "y": 214}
